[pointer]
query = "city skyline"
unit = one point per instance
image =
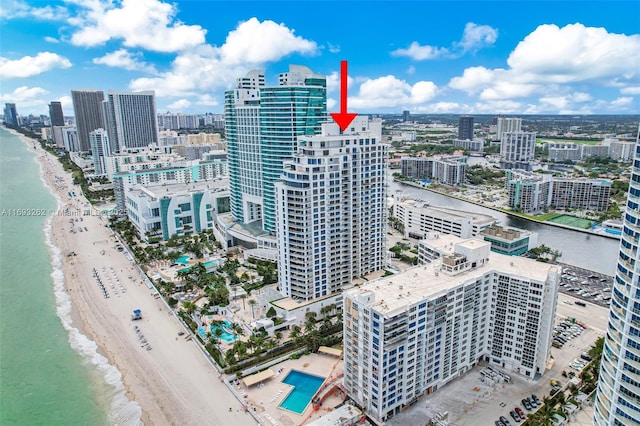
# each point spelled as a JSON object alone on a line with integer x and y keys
{"x": 512, "y": 58}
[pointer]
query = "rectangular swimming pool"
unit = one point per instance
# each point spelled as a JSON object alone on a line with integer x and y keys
{"x": 304, "y": 387}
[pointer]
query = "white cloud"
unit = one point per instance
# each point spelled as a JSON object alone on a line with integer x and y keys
{"x": 26, "y": 98}
{"x": 331, "y": 103}
{"x": 411, "y": 70}
{"x": 207, "y": 100}
{"x": 473, "y": 79}
{"x": 251, "y": 45}
{"x": 477, "y": 36}
{"x": 122, "y": 58}
{"x": 575, "y": 53}
{"x": 333, "y": 82}
{"x": 442, "y": 108}
{"x": 255, "y": 42}
{"x": 389, "y": 91}
{"x": 474, "y": 37}
{"x": 179, "y": 105}
{"x": 14, "y": 9}
{"x": 49, "y": 39}
{"x": 622, "y": 101}
{"x": 28, "y": 66}
{"x": 333, "y": 48}
{"x": 420, "y": 53}
{"x": 548, "y": 62}
{"x": 148, "y": 24}
{"x": 632, "y": 90}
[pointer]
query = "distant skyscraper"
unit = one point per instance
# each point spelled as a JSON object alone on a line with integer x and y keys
{"x": 56, "y": 116}
{"x": 406, "y": 116}
{"x": 88, "y": 116}
{"x": 617, "y": 400}
{"x": 262, "y": 125}
{"x": 132, "y": 121}
{"x": 331, "y": 210}
{"x": 465, "y": 128}
{"x": 10, "y": 114}
{"x": 507, "y": 125}
{"x": 100, "y": 149}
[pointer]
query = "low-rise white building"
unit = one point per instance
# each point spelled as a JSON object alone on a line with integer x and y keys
{"x": 419, "y": 219}
{"x": 407, "y": 335}
{"x": 176, "y": 209}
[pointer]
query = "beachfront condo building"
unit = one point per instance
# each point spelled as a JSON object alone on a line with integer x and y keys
{"x": 11, "y": 114}
{"x": 100, "y": 150}
{"x": 408, "y": 335}
{"x": 56, "y": 116}
{"x": 419, "y": 219}
{"x": 131, "y": 119}
{"x": 87, "y": 109}
{"x": 517, "y": 149}
{"x": 262, "y": 125}
{"x": 443, "y": 169}
{"x": 617, "y": 400}
{"x": 472, "y": 145}
{"x": 530, "y": 192}
{"x": 331, "y": 211}
{"x": 162, "y": 211}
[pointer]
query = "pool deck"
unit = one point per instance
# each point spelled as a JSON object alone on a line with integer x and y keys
{"x": 266, "y": 397}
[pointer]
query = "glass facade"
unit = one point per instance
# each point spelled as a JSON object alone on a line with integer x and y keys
{"x": 617, "y": 398}
{"x": 263, "y": 124}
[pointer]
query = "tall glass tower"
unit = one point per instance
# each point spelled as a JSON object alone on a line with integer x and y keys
{"x": 88, "y": 116}
{"x": 617, "y": 399}
{"x": 262, "y": 125}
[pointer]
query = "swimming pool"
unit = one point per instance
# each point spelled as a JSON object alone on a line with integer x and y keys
{"x": 304, "y": 387}
{"x": 209, "y": 265}
{"x": 225, "y": 336}
{"x": 183, "y": 260}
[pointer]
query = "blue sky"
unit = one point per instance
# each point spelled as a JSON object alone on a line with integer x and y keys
{"x": 509, "y": 57}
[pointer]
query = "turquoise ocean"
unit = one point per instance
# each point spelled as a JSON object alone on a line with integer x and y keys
{"x": 50, "y": 374}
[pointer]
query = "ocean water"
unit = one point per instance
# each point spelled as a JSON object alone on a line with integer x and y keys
{"x": 50, "y": 374}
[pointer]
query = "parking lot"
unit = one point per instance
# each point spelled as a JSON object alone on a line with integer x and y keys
{"x": 470, "y": 401}
{"x": 586, "y": 285}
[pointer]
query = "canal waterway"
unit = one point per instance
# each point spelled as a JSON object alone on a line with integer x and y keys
{"x": 586, "y": 251}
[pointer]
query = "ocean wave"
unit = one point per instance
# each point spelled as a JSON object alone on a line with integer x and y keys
{"x": 122, "y": 411}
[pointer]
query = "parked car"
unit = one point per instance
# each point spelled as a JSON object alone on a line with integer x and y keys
{"x": 532, "y": 402}
{"x": 504, "y": 420}
{"x": 520, "y": 412}
{"x": 526, "y": 404}
{"x": 535, "y": 398}
{"x": 515, "y": 416}
{"x": 586, "y": 356}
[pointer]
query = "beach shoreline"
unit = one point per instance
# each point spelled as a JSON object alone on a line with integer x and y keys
{"x": 172, "y": 383}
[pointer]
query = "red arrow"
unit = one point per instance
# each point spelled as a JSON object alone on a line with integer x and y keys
{"x": 343, "y": 118}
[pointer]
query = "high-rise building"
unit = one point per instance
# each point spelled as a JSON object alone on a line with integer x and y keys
{"x": 11, "y": 114}
{"x": 517, "y": 148}
{"x": 262, "y": 125}
{"x": 504, "y": 124}
{"x": 88, "y": 115}
{"x": 331, "y": 210}
{"x": 465, "y": 128}
{"x": 100, "y": 149}
{"x": 617, "y": 400}
{"x": 132, "y": 121}
{"x": 56, "y": 116}
{"x": 406, "y": 116}
{"x": 410, "y": 334}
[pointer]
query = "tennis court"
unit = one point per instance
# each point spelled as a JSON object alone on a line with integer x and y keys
{"x": 572, "y": 221}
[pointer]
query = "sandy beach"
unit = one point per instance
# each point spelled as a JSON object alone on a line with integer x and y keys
{"x": 173, "y": 383}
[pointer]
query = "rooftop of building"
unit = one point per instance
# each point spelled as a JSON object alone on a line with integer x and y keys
{"x": 393, "y": 293}
{"x": 220, "y": 185}
{"x": 505, "y": 233}
{"x": 445, "y": 212}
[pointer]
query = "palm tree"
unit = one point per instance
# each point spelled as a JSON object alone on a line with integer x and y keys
{"x": 243, "y": 296}
{"x": 218, "y": 332}
{"x": 278, "y": 336}
{"x": 190, "y": 307}
{"x": 252, "y": 303}
{"x": 295, "y": 332}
